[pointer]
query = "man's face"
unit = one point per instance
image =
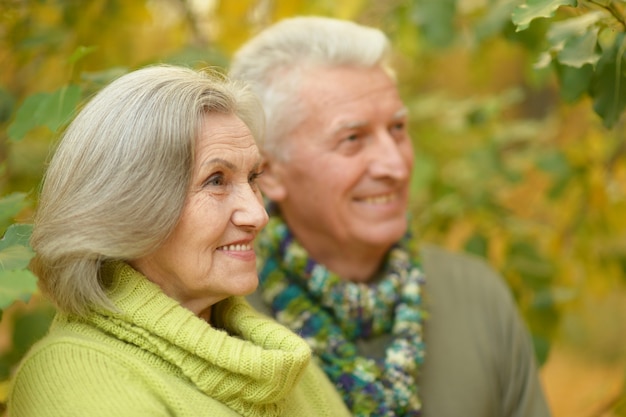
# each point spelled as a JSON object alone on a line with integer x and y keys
{"x": 346, "y": 177}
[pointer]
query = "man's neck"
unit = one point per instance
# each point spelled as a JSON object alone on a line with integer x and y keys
{"x": 356, "y": 264}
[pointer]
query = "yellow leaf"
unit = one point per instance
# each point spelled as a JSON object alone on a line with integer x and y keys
{"x": 348, "y": 9}
{"x": 4, "y": 390}
{"x": 288, "y": 8}
{"x": 234, "y": 22}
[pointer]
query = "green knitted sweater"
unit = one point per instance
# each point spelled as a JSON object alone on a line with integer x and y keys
{"x": 155, "y": 358}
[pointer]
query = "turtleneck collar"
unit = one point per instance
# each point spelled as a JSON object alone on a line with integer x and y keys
{"x": 245, "y": 360}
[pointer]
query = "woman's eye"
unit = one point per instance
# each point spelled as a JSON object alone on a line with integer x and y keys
{"x": 254, "y": 176}
{"x": 215, "y": 180}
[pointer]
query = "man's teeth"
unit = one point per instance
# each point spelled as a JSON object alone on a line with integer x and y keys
{"x": 236, "y": 247}
{"x": 380, "y": 199}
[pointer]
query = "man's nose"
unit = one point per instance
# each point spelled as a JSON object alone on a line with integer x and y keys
{"x": 391, "y": 158}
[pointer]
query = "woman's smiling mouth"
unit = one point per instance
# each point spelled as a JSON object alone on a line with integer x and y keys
{"x": 236, "y": 247}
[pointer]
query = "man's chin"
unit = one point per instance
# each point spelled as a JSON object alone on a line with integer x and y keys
{"x": 387, "y": 234}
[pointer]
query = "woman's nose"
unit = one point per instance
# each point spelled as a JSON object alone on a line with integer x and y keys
{"x": 250, "y": 211}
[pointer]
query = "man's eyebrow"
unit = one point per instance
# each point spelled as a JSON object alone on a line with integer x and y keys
{"x": 403, "y": 112}
{"x": 349, "y": 126}
{"x": 400, "y": 114}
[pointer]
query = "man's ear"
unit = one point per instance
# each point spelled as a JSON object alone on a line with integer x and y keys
{"x": 271, "y": 181}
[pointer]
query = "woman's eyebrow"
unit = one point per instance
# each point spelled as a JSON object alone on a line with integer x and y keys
{"x": 220, "y": 161}
{"x": 228, "y": 164}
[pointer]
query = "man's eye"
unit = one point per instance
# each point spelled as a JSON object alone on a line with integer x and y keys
{"x": 353, "y": 137}
{"x": 398, "y": 130}
{"x": 399, "y": 126}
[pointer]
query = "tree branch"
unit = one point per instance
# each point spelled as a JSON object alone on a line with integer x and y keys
{"x": 615, "y": 9}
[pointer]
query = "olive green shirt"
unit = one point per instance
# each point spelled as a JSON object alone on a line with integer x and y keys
{"x": 479, "y": 357}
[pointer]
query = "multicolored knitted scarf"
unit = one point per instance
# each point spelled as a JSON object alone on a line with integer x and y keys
{"x": 332, "y": 314}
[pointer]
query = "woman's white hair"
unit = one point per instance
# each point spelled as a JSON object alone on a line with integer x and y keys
{"x": 274, "y": 61}
{"x": 117, "y": 183}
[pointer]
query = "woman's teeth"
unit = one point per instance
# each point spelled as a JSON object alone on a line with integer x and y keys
{"x": 236, "y": 247}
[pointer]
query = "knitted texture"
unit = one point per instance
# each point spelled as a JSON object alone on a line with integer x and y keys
{"x": 153, "y": 357}
{"x": 333, "y": 314}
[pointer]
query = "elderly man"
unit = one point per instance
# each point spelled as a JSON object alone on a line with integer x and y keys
{"x": 401, "y": 329}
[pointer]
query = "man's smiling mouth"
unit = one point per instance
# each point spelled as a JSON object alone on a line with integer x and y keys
{"x": 380, "y": 199}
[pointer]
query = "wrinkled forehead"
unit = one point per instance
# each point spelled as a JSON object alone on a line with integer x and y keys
{"x": 348, "y": 92}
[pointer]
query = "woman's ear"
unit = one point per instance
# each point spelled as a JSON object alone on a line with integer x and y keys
{"x": 271, "y": 180}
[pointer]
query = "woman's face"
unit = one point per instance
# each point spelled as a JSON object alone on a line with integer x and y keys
{"x": 209, "y": 256}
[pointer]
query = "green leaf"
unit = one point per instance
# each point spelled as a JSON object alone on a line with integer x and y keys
{"x": 105, "y": 76}
{"x": 607, "y": 38}
{"x": 608, "y": 86}
{"x": 100, "y": 79}
{"x": 436, "y": 20}
{"x": 24, "y": 119}
{"x": 29, "y": 327}
{"x": 45, "y": 109}
{"x": 60, "y": 106}
{"x": 81, "y": 52}
{"x": 554, "y": 163}
{"x": 10, "y": 206}
{"x": 7, "y": 102}
{"x": 16, "y": 285}
{"x": 477, "y": 244}
{"x": 580, "y": 50}
{"x": 17, "y": 234}
{"x": 574, "y": 81}
{"x": 561, "y": 31}
{"x": 536, "y": 271}
{"x": 542, "y": 348}
{"x": 15, "y": 257}
{"x": 574, "y": 41}
{"x": 15, "y": 252}
{"x": 533, "y": 9}
{"x": 495, "y": 20}
{"x": 198, "y": 56}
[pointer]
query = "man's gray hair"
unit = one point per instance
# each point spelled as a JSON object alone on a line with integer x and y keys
{"x": 274, "y": 61}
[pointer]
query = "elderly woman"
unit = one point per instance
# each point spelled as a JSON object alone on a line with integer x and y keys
{"x": 144, "y": 237}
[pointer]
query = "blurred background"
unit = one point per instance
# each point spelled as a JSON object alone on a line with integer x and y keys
{"x": 516, "y": 113}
